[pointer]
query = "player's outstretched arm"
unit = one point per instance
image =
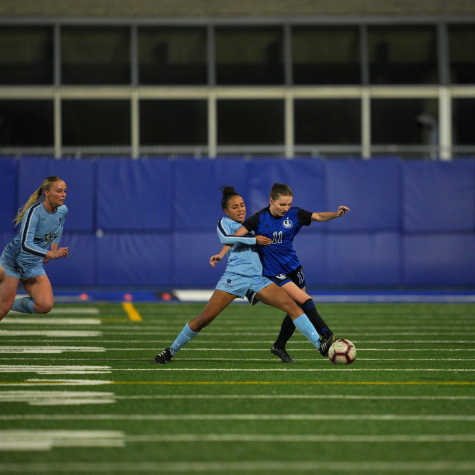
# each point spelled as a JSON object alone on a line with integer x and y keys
{"x": 327, "y": 216}
{"x": 217, "y": 257}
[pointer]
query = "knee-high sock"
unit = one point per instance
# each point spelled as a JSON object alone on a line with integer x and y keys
{"x": 317, "y": 321}
{"x": 24, "y": 305}
{"x": 182, "y": 339}
{"x": 288, "y": 327}
{"x": 286, "y": 331}
{"x": 306, "y": 327}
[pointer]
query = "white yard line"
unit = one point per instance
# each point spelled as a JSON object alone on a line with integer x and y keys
{"x": 50, "y": 321}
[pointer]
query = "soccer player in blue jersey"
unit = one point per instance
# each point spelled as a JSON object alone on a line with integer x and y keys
{"x": 281, "y": 222}
{"x": 42, "y": 225}
{"x": 243, "y": 277}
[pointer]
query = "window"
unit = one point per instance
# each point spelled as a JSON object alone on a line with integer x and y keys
{"x": 403, "y": 55}
{"x": 319, "y": 121}
{"x": 172, "y": 56}
{"x": 252, "y": 56}
{"x": 463, "y": 114}
{"x": 26, "y": 123}
{"x": 462, "y": 54}
{"x": 250, "y": 122}
{"x": 91, "y": 122}
{"x": 326, "y": 55}
{"x": 95, "y": 55}
{"x": 404, "y": 122}
{"x": 26, "y": 55}
{"x": 173, "y": 122}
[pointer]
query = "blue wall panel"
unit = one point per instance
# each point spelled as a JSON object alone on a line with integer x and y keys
{"x": 310, "y": 248}
{"x": 198, "y": 196}
{"x": 8, "y": 208}
{"x": 363, "y": 259}
{"x": 192, "y": 253}
{"x": 439, "y": 196}
{"x": 304, "y": 176}
{"x": 134, "y": 194}
{"x": 5, "y": 238}
{"x": 439, "y": 259}
{"x": 370, "y": 188}
{"x": 410, "y": 223}
{"x": 134, "y": 259}
{"x": 79, "y": 178}
{"x": 79, "y": 267}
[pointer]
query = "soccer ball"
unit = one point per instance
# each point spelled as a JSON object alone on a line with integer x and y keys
{"x": 342, "y": 352}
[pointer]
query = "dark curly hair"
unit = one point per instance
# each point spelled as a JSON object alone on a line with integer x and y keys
{"x": 228, "y": 193}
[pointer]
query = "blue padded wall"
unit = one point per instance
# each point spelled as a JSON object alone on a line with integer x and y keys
{"x": 8, "y": 208}
{"x": 192, "y": 253}
{"x": 134, "y": 259}
{"x": 304, "y": 176}
{"x": 79, "y": 178}
{"x": 79, "y": 267}
{"x": 197, "y": 201}
{"x": 370, "y": 188}
{"x": 444, "y": 259}
{"x": 134, "y": 194}
{"x": 363, "y": 259}
{"x": 411, "y": 222}
{"x": 439, "y": 196}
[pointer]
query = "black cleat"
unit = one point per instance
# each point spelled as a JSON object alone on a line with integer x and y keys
{"x": 164, "y": 357}
{"x": 282, "y": 354}
{"x": 325, "y": 345}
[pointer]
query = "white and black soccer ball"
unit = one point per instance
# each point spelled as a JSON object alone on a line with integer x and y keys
{"x": 342, "y": 352}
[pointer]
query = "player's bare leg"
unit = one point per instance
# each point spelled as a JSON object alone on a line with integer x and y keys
{"x": 8, "y": 290}
{"x": 40, "y": 290}
{"x": 216, "y": 304}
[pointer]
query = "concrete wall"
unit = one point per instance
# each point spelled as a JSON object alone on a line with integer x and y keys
{"x": 230, "y": 8}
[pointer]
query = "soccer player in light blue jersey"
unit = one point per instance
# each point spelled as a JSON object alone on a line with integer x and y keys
{"x": 42, "y": 225}
{"x": 243, "y": 277}
{"x": 281, "y": 222}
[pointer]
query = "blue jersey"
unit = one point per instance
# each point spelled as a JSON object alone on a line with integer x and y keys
{"x": 39, "y": 229}
{"x": 280, "y": 256}
{"x": 243, "y": 258}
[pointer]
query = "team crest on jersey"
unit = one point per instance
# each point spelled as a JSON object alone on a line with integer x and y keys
{"x": 48, "y": 237}
{"x": 281, "y": 276}
{"x": 287, "y": 223}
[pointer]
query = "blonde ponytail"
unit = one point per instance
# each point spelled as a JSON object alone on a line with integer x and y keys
{"x": 35, "y": 197}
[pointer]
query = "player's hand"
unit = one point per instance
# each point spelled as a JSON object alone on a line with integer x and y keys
{"x": 342, "y": 210}
{"x": 263, "y": 240}
{"x": 58, "y": 253}
{"x": 46, "y": 260}
{"x": 214, "y": 260}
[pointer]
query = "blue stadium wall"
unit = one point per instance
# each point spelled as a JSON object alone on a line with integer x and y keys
{"x": 411, "y": 222}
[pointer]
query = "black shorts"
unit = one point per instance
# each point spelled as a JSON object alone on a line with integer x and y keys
{"x": 296, "y": 276}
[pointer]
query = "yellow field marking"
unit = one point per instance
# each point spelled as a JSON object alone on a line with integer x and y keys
{"x": 131, "y": 312}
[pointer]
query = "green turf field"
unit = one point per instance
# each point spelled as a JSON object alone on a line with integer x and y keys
{"x": 79, "y": 392}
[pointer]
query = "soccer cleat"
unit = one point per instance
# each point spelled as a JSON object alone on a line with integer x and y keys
{"x": 282, "y": 354}
{"x": 164, "y": 357}
{"x": 325, "y": 345}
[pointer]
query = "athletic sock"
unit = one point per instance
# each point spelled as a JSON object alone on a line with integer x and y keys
{"x": 317, "y": 321}
{"x": 182, "y": 339}
{"x": 24, "y": 305}
{"x": 306, "y": 327}
{"x": 286, "y": 331}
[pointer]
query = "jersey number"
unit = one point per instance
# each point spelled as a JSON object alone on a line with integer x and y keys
{"x": 277, "y": 238}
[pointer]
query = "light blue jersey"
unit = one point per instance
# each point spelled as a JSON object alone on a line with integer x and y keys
{"x": 39, "y": 229}
{"x": 243, "y": 274}
{"x": 243, "y": 258}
